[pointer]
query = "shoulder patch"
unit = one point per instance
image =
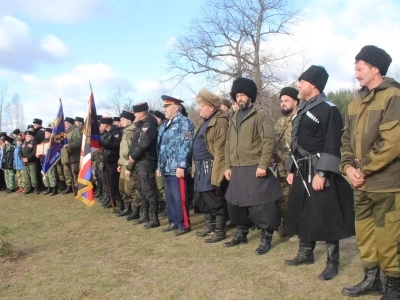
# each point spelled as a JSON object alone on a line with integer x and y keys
{"x": 330, "y": 103}
{"x": 186, "y": 135}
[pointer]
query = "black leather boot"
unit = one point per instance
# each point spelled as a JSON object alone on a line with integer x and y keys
{"x": 209, "y": 221}
{"x": 154, "y": 222}
{"x": 333, "y": 258}
{"x": 220, "y": 233}
{"x": 240, "y": 237}
{"x": 105, "y": 201}
{"x": 120, "y": 206}
{"x": 265, "y": 245}
{"x": 68, "y": 190}
{"x": 305, "y": 255}
{"x": 144, "y": 219}
{"x": 135, "y": 214}
{"x": 392, "y": 290}
{"x": 99, "y": 191}
{"x": 126, "y": 211}
{"x": 28, "y": 191}
{"x": 36, "y": 190}
{"x": 371, "y": 285}
{"x": 61, "y": 185}
{"x": 53, "y": 191}
{"x": 47, "y": 191}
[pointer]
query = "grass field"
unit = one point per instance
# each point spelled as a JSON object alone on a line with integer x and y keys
{"x": 66, "y": 250}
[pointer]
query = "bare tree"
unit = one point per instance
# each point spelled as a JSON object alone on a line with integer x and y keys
{"x": 14, "y": 114}
{"x": 231, "y": 39}
{"x": 3, "y": 99}
{"x": 117, "y": 101}
{"x": 153, "y": 98}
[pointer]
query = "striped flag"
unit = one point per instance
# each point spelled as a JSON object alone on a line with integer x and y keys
{"x": 58, "y": 140}
{"x": 90, "y": 144}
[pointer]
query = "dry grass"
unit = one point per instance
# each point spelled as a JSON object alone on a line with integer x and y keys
{"x": 70, "y": 251}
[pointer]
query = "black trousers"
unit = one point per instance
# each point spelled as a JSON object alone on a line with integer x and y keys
{"x": 147, "y": 186}
{"x": 113, "y": 176}
{"x": 265, "y": 216}
{"x": 212, "y": 202}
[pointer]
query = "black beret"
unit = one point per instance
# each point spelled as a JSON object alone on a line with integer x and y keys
{"x": 183, "y": 111}
{"x": 245, "y": 86}
{"x": 17, "y": 131}
{"x": 31, "y": 133}
{"x": 317, "y": 76}
{"x": 140, "y": 107}
{"x": 158, "y": 114}
{"x": 79, "y": 119}
{"x": 48, "y": 129}
{"x": 106, "y": 120}
{"x": 127, "y": 115}
{"x": 69, "y": 120}
{"x": 291, "y": 92}
{"x": 171, "y": 100}
{"x": 116, "y": 119}
{"x": 375, "y": 56}
{"x": 37, "y": 121}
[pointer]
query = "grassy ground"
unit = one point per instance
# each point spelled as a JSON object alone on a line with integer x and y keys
{"x": 69, "y": 251}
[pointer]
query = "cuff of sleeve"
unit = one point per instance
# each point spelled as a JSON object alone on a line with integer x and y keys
{"x": 346, "y": 167}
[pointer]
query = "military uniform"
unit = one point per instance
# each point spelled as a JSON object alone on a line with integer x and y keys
{"x": 7, "y": 163}
{"x": 28, "y": 151}
{"x": 50, "y": 178}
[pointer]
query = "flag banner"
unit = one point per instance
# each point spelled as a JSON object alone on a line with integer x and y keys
{"x": 90, "y": 144}
{"x": 58, "y": 140}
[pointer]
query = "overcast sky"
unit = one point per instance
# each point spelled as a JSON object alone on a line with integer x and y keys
{"x": 51, "y": 49}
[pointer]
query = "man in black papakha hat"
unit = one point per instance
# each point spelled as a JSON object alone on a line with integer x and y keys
{"x": 370, "y": 159}
{"x": 327, "y": 213}
{"x": 39, "y": 130}
{"x": 31, "y": 163}
{"x": 253, "y": 190}
{"x": 79, "y": 123}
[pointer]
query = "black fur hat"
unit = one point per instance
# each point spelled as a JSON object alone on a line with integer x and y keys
{"x": 140, "y": 107}
{"x": 69, "y": 120}
{"x": 291, "y": 92}
{"x": 106, "y": 120}
{"x": 245, "y": 86}
{"x": 159, "y": 114}
{"x": 17, "y": 131}
{"x": 375, "y": 56}
{"x": 127, "y": 115}
{"x": 79, "y": 119}
{"x": 317, "y": 76}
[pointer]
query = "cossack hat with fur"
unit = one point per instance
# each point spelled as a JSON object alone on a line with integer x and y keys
{"x": 79, "y": 119}
{"x": 31, "y": 133}
{"x": 37, "y": 121}
{"x": 69, "y": 120}
{"x": 48, "y": 129}
{"x": 16, "y": 131}
{"x": 376, "y": 57}
{"x": 127, "y": 115}
{"x": 7, "y": 138}
{"x": 291, "y": 92}
{"x": 106, "y": 120}
{"x": 159, "y": 114}
{"x": 140, "y": 107}
{"x": 317, "y": 76}
{"x": 116, "y": 119}
{"x": 208, "y": 98}
{"x": 245, "y": 86}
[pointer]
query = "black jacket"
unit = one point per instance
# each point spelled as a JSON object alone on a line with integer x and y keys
{"x": 110, "y": 142}
{"x": 39, "y": 135}
{"x": 28, "y": 150}
{"x": 8, "y": 158}
{"x": 144, "y": 142}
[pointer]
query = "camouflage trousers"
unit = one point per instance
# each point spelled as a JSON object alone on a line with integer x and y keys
{"x": 19, "y": 174}
{"x": 50, "y": 178}
{"x": 30, "y": 176}
{"x": 67, "y": 174}
{"x": 283, "y": 202}
{"x": 378, "y": 230}
{"x": 60, "y": 171}
{"x": 160, "y": 188}
{"x": 128, "y": 188}
{"x": 9, "y": 178}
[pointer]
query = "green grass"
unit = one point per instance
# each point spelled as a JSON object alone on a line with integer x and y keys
{"x": 66, "y": 250}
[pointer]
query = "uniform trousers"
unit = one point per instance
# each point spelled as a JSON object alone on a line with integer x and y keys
{"x": 176, "y": 201}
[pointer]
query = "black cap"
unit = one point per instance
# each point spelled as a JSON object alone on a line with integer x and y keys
{"x": 31, "y": 133}
{"x": 69, "y": 120}
{"x": 48, "y": 129}
{"x": 317, "y": 76}
{"x": 375, "y": 56}
{"x": 291, "y": 92}
{"x": 37, "y": 121}
{"x": 79, "y": 119}
{"x": 128, "y": 115}
{"x": 106, "y": 120}
{"x": 158, "y": 114}
{"x": 140, "y": 107}
{"x": 17, "y": 131}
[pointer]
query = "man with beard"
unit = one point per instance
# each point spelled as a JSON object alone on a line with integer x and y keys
{"x": 283, "y": 137}
{"x": 175, "y": 142}
{"x": 371, "y": 160}
{"x": 253, "y": 190}
{"x": 143, "y": 153}
{"x": 208, "y": 166}
{"x": 321, "y": 205}
{"x": 110, "y": 141}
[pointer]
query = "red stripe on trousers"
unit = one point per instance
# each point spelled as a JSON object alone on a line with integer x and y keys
{"x": 182, "y": 187}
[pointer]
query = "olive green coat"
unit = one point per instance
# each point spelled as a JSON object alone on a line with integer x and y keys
{"x": 74, "y": 142}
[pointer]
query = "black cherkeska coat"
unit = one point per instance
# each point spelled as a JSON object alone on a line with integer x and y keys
{"x": 327, "y": 214}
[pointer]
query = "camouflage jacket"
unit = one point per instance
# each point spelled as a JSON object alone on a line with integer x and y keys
{"x": 283, "y": 135}
{"x": 175, "y": 143}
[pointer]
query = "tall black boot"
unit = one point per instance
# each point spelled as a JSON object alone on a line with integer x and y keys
{"x": 99, "y": 191}
{"x": 333, "y": 258}
{"x": 61, "y": 185}
{"x": 305, "y": 255}
{"x": 53, "y": 191}
{"x": 154, "y": 222}
{"x": 135, "y": 213}
{"x": 145, "y": 217}
{"x": 47, "y": 191}
{"x": 209, "y": 221}
{"x": 68, "y": 190}
{"x": 240, "y": 237}
{"x": 120, "y": 206}
{"x": 220, "y": 231}
{"x": 127, "y": 210}
{"x": 106, "y": 201}
{"x": 392, "y": 290}
{"x": 265, "y": 245}
{"x": 371, "y": 285}
{"x": 36, "y": 190}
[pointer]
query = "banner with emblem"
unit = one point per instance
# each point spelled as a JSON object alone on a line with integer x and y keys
{"x": 58, "y": 140}
{"x": 90, "y": 144}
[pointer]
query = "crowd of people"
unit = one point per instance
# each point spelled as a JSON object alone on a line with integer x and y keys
{"x": 237, "y": 166}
